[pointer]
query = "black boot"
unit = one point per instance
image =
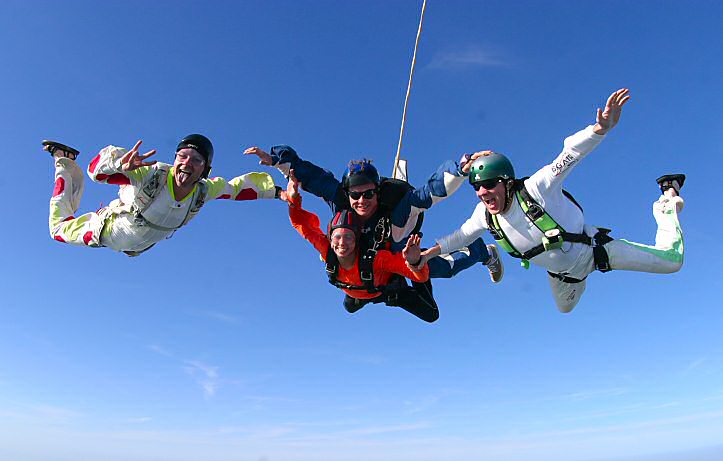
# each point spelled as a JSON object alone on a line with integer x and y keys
{"x": 671, "y": 180}
{"x": 52, "y": 146}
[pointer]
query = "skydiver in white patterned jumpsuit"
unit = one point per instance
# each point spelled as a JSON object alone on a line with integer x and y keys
{"x": 155, "y": 199}
{"x": 535, "y": 220}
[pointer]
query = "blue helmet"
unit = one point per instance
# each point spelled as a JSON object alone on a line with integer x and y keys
{"x": 360, "y": 172}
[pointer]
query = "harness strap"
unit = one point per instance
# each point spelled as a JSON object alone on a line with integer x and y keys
{"x": 564, "y": 237}
{"x": 150, "y": 191}
{"x": 553, "y": 234}
{"x": 366, "y": 272}
{"x": 137, "y": 253}
{"x": 599, "y": 254}
{"x": 565, "y": 278}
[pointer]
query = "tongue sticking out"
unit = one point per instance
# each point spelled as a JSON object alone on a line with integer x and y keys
{"x": 182, "y": 176}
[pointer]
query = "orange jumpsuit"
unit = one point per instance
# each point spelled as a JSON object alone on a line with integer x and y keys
{"x": 385, "y": 262}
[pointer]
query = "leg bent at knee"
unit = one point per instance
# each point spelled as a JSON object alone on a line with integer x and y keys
{"x": 566, "y": 295}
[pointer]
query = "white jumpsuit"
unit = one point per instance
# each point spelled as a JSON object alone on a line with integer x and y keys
{"x": 575, "y": 260}
{"x": 114, "y": 226}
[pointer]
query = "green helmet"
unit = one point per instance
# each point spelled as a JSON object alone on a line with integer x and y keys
{"x": 491, "y": 166}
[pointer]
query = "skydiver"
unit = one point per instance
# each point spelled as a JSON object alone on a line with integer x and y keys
{"x": 389, "y": 210}
{"x": 155, "y": 199}
{"x": 535, "y": 220}
{"x": 366, "y": 280}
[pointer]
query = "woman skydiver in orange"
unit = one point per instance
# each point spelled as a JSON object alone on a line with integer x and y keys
{"x": 364, "y": 278}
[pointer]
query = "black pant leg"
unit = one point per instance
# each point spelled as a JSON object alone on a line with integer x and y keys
{"x": 420, "y": 305}
{"x": 425, "y": 291}
{"x": 353, "y": 304}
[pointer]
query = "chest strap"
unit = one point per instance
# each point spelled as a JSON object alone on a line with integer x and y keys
{"x": 366, "y": 272}
{"x": 553, "y": 234}
{"x": 151, "y": 190}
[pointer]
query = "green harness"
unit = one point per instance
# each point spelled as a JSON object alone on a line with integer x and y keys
{"x": 554, "y": 235}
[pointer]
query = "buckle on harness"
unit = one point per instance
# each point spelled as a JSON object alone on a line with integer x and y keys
{"x": 366, "y": 276}
{"x": 552, "y": 240}
{"x": 535, "y": 211}
{"x": 603, "y": 266}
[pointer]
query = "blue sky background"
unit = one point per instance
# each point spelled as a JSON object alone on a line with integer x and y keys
{"x": 226, "y": 343}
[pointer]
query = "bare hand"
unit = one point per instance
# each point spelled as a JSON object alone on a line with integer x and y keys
{"x": 292, "y": 188}
{"x": 264, "y": 157}
{"x": 608, "y": 118}
{"x": 412, "y": 252}
{"x": 132, "y": 160}
{"x": 468, "y": 165}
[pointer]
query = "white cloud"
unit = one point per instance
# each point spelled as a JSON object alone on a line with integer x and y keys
{"x": 471, "y": 57}
{"x": 420, "y": 405}
{"x": 206, "y": 376}
{"x": 222, "y": 317}
{"x": 160, "y": 350}
{"x": 596, "y": 393}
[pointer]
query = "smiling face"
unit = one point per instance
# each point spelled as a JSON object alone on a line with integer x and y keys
{"x": 343, "y": 242}
{"x": 493, "y": 198}
{"x": 188, "y": 168}
{"x": 361, "y": 203}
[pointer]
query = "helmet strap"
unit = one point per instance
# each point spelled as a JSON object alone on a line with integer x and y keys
{"x": 509, "y": 194}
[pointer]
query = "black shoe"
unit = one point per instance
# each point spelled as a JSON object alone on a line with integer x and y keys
{"x": 52, "y": 146}
{"x": 671, "y": 180}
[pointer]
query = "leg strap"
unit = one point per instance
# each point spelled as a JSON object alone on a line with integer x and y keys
{"x": 565, "y": 278}
{"x": 599, "y": 254}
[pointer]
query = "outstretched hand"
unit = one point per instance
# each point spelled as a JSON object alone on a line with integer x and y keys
{"x": 292, "y": 188}
{"x": 412, "y": 252}
{"x": 607, "y": 119}
{"x": 264, "y": 157}
{"x": 132, "y": 160}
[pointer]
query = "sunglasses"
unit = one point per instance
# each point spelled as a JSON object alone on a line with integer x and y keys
{"x": 367, "y": 194}
{"x": 487, "y": 183}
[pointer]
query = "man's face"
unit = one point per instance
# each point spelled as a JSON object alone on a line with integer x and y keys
{"x": 363, "y": 200}
{"x": 343, "y": 241}
{"x": 188, "y": 167}
{"x": 492, "y": 193}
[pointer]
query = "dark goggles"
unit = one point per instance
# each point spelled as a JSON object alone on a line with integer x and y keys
{"x": 487, "y": 183}
{"x": 367, "y": 194}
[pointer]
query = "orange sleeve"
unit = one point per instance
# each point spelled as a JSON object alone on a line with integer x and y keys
{"x": 395, "y": 263}
{"x": 307, "y": 224}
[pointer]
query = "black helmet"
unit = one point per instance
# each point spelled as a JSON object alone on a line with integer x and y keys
{"x": 200, "y": 144}
{"x": 360, "y": 172}
{"x": 344, "y": 219}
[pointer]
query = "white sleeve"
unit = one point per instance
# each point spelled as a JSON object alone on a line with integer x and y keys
{"x": 470, "y": 230}
{"x": 575, "y": 148}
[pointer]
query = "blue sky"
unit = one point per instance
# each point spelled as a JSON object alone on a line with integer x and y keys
{"x": 226, "y": 343}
